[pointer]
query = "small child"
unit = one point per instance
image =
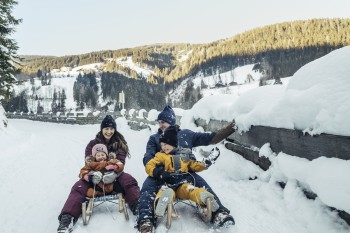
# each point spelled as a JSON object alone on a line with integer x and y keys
{"x": 101, "y": 173}
{"x": 172, "y": 166}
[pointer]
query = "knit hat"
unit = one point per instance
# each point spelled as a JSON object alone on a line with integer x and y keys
{"x": 108, "y": 121}
{"x": 167, "y": 115}
{"x": 98, "y": 148}
{"x": 169, "y": 136}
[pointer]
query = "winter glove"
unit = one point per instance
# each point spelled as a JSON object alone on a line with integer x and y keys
{"x": 158, "y": 170}
{"x": 166, "y": 176}
{"x": 160, "y": 173}
{"x": 86, "y": 178}
{"x": 95, "y": 177}
{"x": 224, "y": 133}
{"x": 213, "y": 156}
{"x": 109, "y": 177}
{"x": 111, "y": 167}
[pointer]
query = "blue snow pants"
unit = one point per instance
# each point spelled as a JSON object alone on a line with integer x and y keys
{"x": 148, "y": 193}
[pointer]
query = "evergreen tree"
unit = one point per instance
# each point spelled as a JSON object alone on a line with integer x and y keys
{"x": 8, "y": 49}
{"x": 39, "y": 73}
{"x": 54, "y": 102}
{"x": 63, "y": 101}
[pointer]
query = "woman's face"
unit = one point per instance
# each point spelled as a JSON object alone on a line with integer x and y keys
{"x": 108, "y": 132}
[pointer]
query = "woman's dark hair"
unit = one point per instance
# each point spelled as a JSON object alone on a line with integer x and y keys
{"x": 118, "y": 142}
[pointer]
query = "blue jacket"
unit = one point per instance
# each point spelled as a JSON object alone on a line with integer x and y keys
{"x": 186, "y": 137}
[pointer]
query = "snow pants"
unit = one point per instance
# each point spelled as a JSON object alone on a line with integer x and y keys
{"x": 149, "y": 190}
{"x": 127, "y": 184}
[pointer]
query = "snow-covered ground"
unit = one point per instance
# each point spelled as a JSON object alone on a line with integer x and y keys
{"x": 41, "y": 161}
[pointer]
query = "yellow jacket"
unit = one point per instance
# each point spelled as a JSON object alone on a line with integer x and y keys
{"x": 180, "y": 159}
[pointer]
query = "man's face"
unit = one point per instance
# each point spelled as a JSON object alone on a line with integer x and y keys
{"x": 163, "y": 125}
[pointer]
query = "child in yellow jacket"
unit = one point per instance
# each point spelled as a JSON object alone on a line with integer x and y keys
{"x": 172, "y": 166}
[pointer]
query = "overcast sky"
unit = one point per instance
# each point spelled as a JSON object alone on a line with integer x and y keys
{"x": 66, "y": 27}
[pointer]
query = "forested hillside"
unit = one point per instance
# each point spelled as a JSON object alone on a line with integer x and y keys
{"x": 147, "y": 74}
{"x": 281, "y": 49}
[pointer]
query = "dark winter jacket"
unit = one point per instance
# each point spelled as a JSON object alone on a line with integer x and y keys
{"x": 186, "y": 137}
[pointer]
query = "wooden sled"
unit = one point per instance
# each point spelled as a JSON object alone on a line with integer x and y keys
{"x": 166, "y": 207}
{"x": 89, "y": 204}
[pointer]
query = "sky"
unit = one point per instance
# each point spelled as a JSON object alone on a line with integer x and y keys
{"x": 43, "y": 160}
{"x": 66, "y": 27}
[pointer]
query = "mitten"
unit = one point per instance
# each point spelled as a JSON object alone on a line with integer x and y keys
{"x": 86, "y": 178}
{"x": 111, "y": 167}
{"x": 95, "y": 177}
{"x": 158, "y": 170}
{"x": 109, "y": 177}
{"x": 213, "y": 156}
{"x": 224, "y": 133}
{"x": 166, "y": 176}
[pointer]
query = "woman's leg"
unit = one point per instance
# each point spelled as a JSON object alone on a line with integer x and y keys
{"x": 130, "y": 188}
{"x": 75, "y": 199}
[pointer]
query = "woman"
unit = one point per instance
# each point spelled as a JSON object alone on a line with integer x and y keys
{"x": 125, "y": 183}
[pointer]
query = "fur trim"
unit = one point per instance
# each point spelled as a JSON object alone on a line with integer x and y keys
{"x": 89, "y": 159}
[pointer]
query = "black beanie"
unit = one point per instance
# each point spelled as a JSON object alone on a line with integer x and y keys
{"x": 169, "y": 136}
{"x": 108, "y": 121}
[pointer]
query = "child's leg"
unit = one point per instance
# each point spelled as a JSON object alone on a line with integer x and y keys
{"x": 197, "y": 195}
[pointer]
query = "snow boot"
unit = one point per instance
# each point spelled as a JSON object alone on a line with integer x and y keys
{"x": 223, "y": 219}
{"x": 205, "y": 195}
{"x": 163, "y": 198}
{"x": 66, "y": 224}
{"x": 146, "y": 226}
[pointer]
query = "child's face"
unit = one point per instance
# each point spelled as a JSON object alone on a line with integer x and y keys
{"x": 166, "y": 147}
{"x": 100, "y": 156}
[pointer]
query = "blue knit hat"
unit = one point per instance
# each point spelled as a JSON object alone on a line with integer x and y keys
{"x": 167, "y": 115}
{"x": 108, "y": 121}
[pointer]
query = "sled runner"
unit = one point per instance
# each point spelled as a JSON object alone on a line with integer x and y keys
{"x": 90, "y": 203}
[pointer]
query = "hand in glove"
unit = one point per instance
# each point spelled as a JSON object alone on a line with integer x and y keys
{"x": 95, "y": 177}
{"x": 111, "y": 167}
{"x": 213, "y": 156}
{"x": 158, "y": 170}
{"x": 160, "y": 173}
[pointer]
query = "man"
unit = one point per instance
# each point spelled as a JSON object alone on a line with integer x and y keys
{"x": 186, "y": 139}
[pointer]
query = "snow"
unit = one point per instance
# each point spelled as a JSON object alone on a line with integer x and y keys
{"x": 183, "y": 56}
{"x": 127, "y": 62}
{"x": 236, "y": 82}
{"x": 314, "y": 100}
{"x": 41, "y": 161}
